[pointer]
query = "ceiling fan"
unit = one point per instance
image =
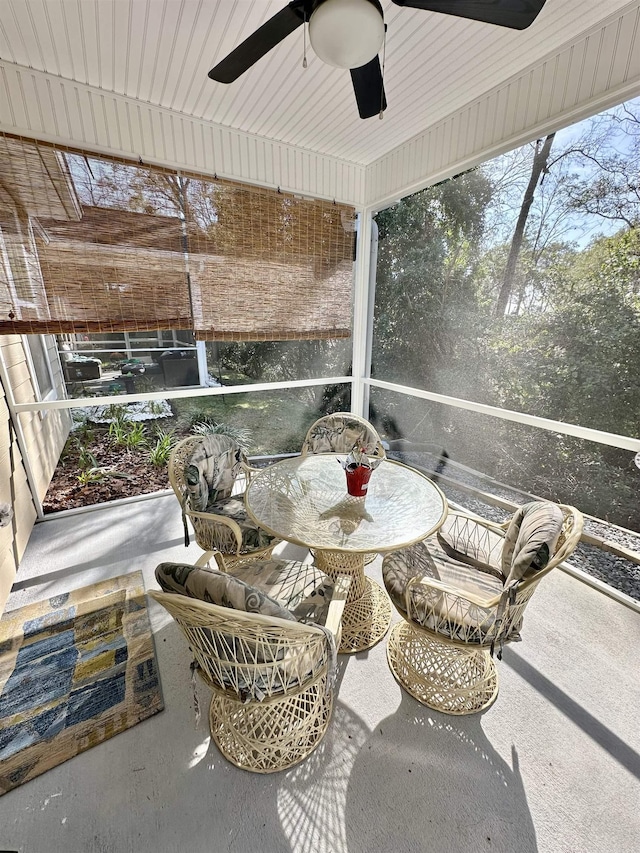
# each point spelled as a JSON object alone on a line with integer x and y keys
{"x": 350, "y": 33}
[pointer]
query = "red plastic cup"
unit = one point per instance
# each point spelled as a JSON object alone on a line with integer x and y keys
{"x": 358, "y": 480}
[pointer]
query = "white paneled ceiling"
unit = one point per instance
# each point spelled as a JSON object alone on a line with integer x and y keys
{"x": 159, "y": 51}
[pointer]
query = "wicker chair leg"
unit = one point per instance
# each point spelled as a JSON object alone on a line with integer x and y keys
{"x": 441, "y": 676}
{"x": 274, "y": 735}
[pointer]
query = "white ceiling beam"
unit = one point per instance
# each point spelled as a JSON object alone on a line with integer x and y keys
{"x": 67, "y": 113}
{"x": 594, "y": 70}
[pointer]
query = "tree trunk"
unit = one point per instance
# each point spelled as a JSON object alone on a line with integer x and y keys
{"x": 540, "y": 159}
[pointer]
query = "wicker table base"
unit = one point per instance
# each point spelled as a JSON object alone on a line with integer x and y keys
{"x": 367, "y": 613}
{"x": 441, "y": 676}
{"x": 366, "y": 620}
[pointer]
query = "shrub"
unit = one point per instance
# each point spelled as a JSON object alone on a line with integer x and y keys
{"x": 160, "y": 452}
{"x": 135, "y": 435}
{"x": 240, "y": 434}
{"x": 118, "y": 432}
{"x": 92, "y": 475}
{"x": 116, "y": 412}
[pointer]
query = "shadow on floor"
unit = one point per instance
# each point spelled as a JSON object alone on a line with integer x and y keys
{"x": 434, "y": 782}
{"x": 600, "y": 733}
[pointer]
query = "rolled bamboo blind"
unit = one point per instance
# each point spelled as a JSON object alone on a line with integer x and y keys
{"x": 91, "y": 244}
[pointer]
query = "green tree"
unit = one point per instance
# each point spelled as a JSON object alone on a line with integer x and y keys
{"x": 427, "y": 302}
{"x": 589, "y": 181}
{"x": 578, "y": 360}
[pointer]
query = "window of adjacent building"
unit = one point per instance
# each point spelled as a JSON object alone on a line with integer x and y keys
{"x": 41, "y": 365}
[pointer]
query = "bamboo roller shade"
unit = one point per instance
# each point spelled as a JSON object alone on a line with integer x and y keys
{"x": 92, "y": 244}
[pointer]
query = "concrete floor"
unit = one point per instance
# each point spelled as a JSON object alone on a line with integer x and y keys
{"x": 553, "y": 766}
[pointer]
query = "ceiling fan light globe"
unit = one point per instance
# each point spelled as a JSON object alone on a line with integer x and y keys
{"x": 346, "y": 33}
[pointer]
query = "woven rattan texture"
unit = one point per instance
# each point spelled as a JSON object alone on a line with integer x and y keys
{"x": 304, "y": 500}
{"x": 325, "y": 436}
{"x": 477, "y": 624}
{"x": 367, "y": 613}
{"x": 121, "y": 246}
{"x": 214, "y": 534}
{"x": 271, "y": 703}
{"x": 441, "y": 654}
{"x": 445, "y": 678}
{"x": 340, "y": 432}
{"x": 271, "y": 737}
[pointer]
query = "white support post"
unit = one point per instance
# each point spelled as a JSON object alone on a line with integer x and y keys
{"x": 371, "y": 304}
{"x": 203, "y": 372}
{"x": 360, "y": 368}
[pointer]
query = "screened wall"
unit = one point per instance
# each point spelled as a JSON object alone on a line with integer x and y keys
{"x": 513, "y": 313}
{"x": 516, "y": 286}
{"x": 162, "y": 296}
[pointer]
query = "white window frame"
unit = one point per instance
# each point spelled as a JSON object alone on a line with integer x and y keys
{"x": 52, "y": 393}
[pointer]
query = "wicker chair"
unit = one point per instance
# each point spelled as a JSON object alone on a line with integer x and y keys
{"x": 462, "y": 594}
{"x": 208, "y": 475}
{"x": 264, "y": 640}
{"x": 339, "y": 433}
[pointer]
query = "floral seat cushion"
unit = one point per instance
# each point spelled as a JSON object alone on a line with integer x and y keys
{"x": 431, "y": 609}
{"x": 254, "y": 538}
{"x": 286, "y": 589}
{"x": 304, "y": 590}
{"x": 210, "y": 474}
{"x": 340, "y": 433}
{"x": 531, "y": 539}
{"x": 218, "y": 588}
{"x": 524, "y": 549}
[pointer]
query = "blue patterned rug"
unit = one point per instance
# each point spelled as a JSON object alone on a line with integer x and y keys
{"x": 75, "y": 670}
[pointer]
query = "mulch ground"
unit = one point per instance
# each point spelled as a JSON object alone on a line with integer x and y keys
{"x": 138, "y": 477}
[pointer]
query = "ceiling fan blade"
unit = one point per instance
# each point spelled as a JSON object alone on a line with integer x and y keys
{"x": 515, "y": 14}
{"x": 369, "y": 89}
{"x": 265, "y": 38}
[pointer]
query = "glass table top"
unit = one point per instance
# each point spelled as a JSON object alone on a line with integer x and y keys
{"x": 305, "y": 500}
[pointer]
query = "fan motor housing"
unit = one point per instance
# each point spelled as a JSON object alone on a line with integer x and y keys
{"x": 346, "y": 33}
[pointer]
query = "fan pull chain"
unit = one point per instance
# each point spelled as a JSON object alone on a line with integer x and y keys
{"x": 304, "y": 41}
{"x": 384, "y": 57}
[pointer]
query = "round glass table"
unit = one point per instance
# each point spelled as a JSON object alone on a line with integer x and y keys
{"x": 304, "y": 500}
